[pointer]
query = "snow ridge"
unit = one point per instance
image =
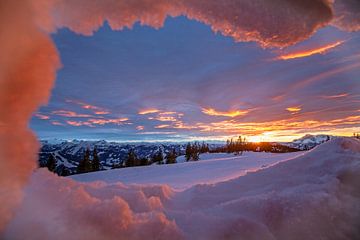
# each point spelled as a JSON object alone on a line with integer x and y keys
{"x": 313, "y": 196}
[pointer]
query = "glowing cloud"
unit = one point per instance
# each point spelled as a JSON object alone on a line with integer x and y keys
{"x": 342, "y": 95}
{"x": 310, "y": 52}
{"x": 65, "y": 113}
{"x": 41, "y": 116}
{"x": 162, "y": 126}
{"x": 213, "y": 112}
{"x": 293, "y": 110}
{"x": 149, "y": 111}
{"x": 97, "y": 110}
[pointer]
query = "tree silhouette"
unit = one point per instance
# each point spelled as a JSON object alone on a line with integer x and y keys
{"x": 95, "y": 161}
{"x": 85, "y": 164}
{"x": 158, "y": 157}
{"x": 131, "y": 158}
{"x": 171, "y": 157}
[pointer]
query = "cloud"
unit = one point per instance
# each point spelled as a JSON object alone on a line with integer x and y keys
{"x": 41, "y": 116}
{"x": 97, "y": 110}
{"x": 310, "y": 52}
{"x": 148, "y": 111}
{"x": 341, "y": 95}
{"x": 245, "y": 20}
{"x": 162, "y": 126}
{"x": 213, "y": 112}
{"x": 56, "y": 123}
{"x": 347, "y": 15}
{"x": 66, "y": 113}
{"x": 294, "y": 109}
{"x": 91, "y": 122}
{"x": 140, "y": 128}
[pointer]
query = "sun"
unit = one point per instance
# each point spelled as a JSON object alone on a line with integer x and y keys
{"x": 255, "y": 138}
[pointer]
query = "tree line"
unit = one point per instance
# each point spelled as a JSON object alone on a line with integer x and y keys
{"x": 240, "y": 144}
{"x": 89, "y": 163}
{"x": 132, "y": 159}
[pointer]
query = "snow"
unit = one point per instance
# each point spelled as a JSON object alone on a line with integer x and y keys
{"x": 211, "y": 168}
{"x": 311, "y": 196}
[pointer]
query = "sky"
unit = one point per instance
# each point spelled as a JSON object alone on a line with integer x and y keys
{"x": 185, "y": 82}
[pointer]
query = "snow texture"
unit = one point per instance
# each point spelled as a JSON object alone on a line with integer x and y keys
{"x": 211, "y": 168}
{"x": 312, "y": 196}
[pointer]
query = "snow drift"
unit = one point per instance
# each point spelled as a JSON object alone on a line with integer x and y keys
{"x": 313, "y": 196}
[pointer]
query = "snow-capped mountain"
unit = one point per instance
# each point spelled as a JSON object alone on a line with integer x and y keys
{"x": 309, "y": 141}
{"x": 69, "y": 153}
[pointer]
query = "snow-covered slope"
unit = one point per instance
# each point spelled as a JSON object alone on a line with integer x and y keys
{"x": 309, "y": 141}
{"x": 313, "y": 196}
{"x": 211, "y": 168}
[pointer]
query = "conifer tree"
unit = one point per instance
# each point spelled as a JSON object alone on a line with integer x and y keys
{"x": 85, "y": 164}
{"x": 188, "y": 152}
{"x": 131, "y": 158}
{"x": 158, "y": 157}
{"x": 144, "y": 161}
{"x": 95, "y": 161}
{"x": 171, "y": 157}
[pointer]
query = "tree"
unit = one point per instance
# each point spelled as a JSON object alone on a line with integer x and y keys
{"x": 158, "y": 157}
{"x": 195, "y": 153}
{"x": 239, "y": 145}
{"x": 144, "y": 161}
{"x": 85, "y": 164}
{"x": 131, "y": 158}
{"x": 95, "y": 161}
{"x": 171, "y": 157}
{"x": 188, "y": 152}
{"x": 51, "y": 163}
{"x": 204, "y": 148}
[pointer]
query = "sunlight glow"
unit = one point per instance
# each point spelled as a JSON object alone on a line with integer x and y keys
{"x": 148, "y": 111}
{"x": 213, "y": 112}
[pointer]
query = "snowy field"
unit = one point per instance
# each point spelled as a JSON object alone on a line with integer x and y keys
{"x": 315, "y": 195}
{"x": 211, "y": 168}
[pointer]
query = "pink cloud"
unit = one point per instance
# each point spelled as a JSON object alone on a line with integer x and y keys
{"x": 65, "y": 113}
{"x": 41, "y": 116}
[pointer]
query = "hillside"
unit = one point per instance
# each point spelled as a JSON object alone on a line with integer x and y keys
{"x": 311, "y": 196}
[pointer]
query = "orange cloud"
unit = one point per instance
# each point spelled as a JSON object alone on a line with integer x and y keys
{"x": 213, "y": 112}
{"x": 162, "y": 126}
{"x": 107, "y": 121}
{"x": 310, "y": 52}
{"x": 101, "y": 112}
{"x": 97, "y": 110}
{"x": 65, "y": 113}
{"x": 294, "y": 110}
{"x": 148, "y": 111}
{"x": 95, "y": 121}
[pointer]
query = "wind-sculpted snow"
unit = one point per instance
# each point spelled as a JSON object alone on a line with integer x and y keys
{"x": 314, "y": 196}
